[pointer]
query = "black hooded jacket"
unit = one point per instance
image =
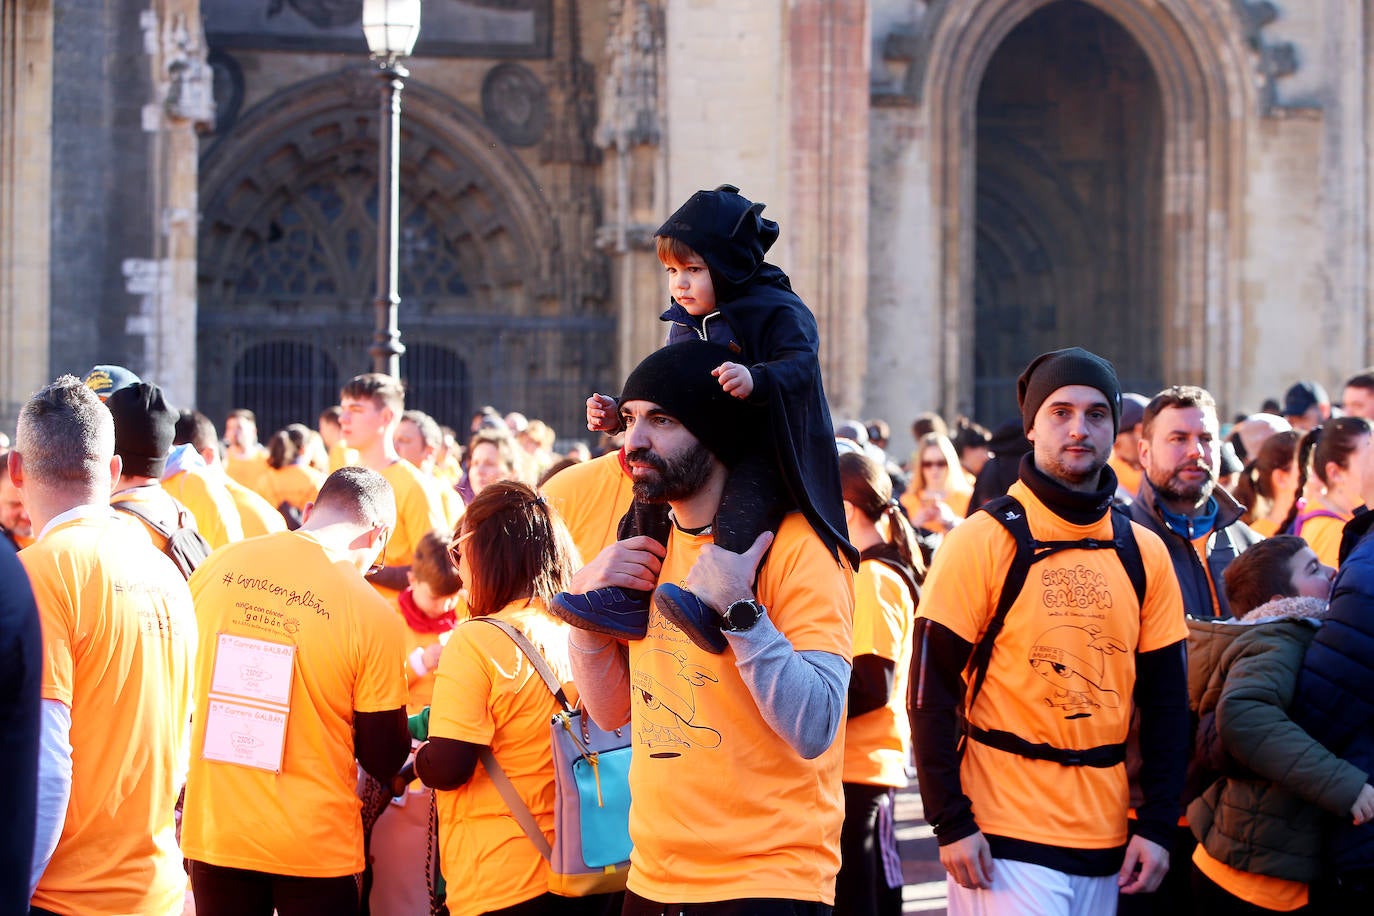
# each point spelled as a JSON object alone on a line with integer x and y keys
{"x": 779, "y": 341}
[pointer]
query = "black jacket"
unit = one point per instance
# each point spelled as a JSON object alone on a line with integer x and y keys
{"x": 1229, "y": 539}
{"x": 780, "y": 343}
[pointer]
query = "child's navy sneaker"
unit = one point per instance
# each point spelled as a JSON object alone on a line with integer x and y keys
{"x": 612, "y": 611}
{"x": 687, "y": 612}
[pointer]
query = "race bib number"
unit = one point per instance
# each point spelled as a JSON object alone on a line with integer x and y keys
{"x": 250, "y": 702}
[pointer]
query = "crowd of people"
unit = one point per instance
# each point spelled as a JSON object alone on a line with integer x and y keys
{"x": 1108, "y": 639}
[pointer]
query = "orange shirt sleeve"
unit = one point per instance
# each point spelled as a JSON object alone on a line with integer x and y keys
{"x": 55, "y": 614}
{"x": 381, "y": 682}
{"x": 959, "y": 592}
{"x": 461, "y": 707}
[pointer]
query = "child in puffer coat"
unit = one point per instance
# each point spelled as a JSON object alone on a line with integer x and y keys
{"x": 1274, "y": 790}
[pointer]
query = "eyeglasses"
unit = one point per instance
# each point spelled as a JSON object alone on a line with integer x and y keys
{"x": 934, "y": 464}
{"x": 380, "y": 563}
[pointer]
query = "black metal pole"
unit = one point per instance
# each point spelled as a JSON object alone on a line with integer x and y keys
{"x": 386, "y": 347}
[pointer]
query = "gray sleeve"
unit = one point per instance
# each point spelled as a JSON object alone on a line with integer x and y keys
{"x": 54, "y": 784}
{"x": 601, "y": 671}
{"x": 801, "y": 694}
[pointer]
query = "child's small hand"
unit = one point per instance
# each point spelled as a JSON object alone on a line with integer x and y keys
{"x": 735, "y": 379}
{"x": 601, "y": 414}
{"x": 431, "y": 656}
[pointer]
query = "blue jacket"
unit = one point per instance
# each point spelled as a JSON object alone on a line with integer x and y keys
{"x": 1334, "y": 701}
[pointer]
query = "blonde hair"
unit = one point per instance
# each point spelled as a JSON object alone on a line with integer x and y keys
{"x": 956, "y": 481}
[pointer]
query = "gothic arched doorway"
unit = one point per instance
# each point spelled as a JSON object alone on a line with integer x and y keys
{"x": 1068, "y": 197}
{"x": 287, "y": 264}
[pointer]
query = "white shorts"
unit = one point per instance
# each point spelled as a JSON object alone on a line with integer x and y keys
{"x": 1023, "y": 889}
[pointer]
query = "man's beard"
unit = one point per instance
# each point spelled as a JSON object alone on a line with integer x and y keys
{"x": 1180, "y": 491}
{"x": 1056, "y": 466}
{"x": 678, "y": 476}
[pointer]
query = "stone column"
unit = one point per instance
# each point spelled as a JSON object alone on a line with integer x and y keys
{"x": 631, "y": 132}
{"x": 827, "y": 77}
{"x": 26, "y": 53}
{"x": 181, "y": 102}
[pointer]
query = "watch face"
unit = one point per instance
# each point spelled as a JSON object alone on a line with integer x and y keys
{"x": 742, "y": 615}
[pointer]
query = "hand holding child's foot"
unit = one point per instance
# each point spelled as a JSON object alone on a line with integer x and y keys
{"x": 735, "y": 379}
{"x": 601, "y": 414}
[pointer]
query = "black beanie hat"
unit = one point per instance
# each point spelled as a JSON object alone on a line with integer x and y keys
{"x": 1049, "y": 372}
{"x": 144, "y": 424}
{"x": 678, "y": 379}
{"x": 726, "y": 229}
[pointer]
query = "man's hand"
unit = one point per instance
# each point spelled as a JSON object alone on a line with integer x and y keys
{"x": 969, "y": 861}
{"x": 1144, "y": 868}
{"x": 430, "y": 657}
{"x": 720, "y": 577}
{"x": 1363, "y": 809}
{"x": 601, "y": 415}
{"x": 632, "y": 563}
{"x": 735, "y": 379}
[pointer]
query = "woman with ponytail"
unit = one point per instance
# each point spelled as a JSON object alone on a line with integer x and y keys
{"x": 1337, "y": 464}
{"x": 1269, "y": 485}
{"x": 878, "y": 735}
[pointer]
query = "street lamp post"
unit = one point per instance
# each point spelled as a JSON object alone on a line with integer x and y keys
{"x": 391, "y": 27}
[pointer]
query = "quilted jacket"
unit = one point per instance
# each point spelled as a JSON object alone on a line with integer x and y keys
{"x": 1276, "y": 791}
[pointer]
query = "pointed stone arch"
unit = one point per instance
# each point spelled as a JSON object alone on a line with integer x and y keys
{"x": 1205, "y": 75}
{"x": 288, "y": 251}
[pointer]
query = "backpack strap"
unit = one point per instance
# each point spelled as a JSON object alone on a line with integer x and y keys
{"x": 128, "y": 509}
{"x": 1128, "y": 551}
{"x": 145, "y": 518}
{"x": 1012, "y": 516}
{"x": 1304, "y": 517}
{"x": 518, "y": 809}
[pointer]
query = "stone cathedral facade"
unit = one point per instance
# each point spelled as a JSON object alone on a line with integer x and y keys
{"x": 188, "y": 188}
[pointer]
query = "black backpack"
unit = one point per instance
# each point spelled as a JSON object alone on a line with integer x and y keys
{"x": 186, "y": 547}
{"x": 1029, "y": 551}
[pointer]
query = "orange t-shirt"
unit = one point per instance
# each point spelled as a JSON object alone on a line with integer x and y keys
{"x": 1061, "y": 671}
{"x": 1277, "y": 894}
{"x": 216, "y": 516}
{"x": 957, "y": 500}
{"x": 1323, "y": 534}
{"x": 246, "y": 471}
{"x": 878, "y": 743}
{"x": 1264, "y": 527}
{"x": 724, "y": 808}
{"x": 418, "y": 512}
{"x": 341, "y": 456}
{"x": 256, "y": 514}
{"x": 487, "y": 693}
{"x": 119, "y": 645}
{"x": 421, "y": 686}
{"x": 296, "y": 484}
{"x": 450, "y": 503}
{"x": 287, "y": 590}
{"x": 591, "y": 497}
{"x": 1126, "y": 476}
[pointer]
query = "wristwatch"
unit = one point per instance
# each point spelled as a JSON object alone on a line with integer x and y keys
{"x": 741, "y": 616}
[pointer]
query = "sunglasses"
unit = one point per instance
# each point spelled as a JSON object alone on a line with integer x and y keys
{"x": 455, "y": 548}
{"x": 934, "y": 464}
